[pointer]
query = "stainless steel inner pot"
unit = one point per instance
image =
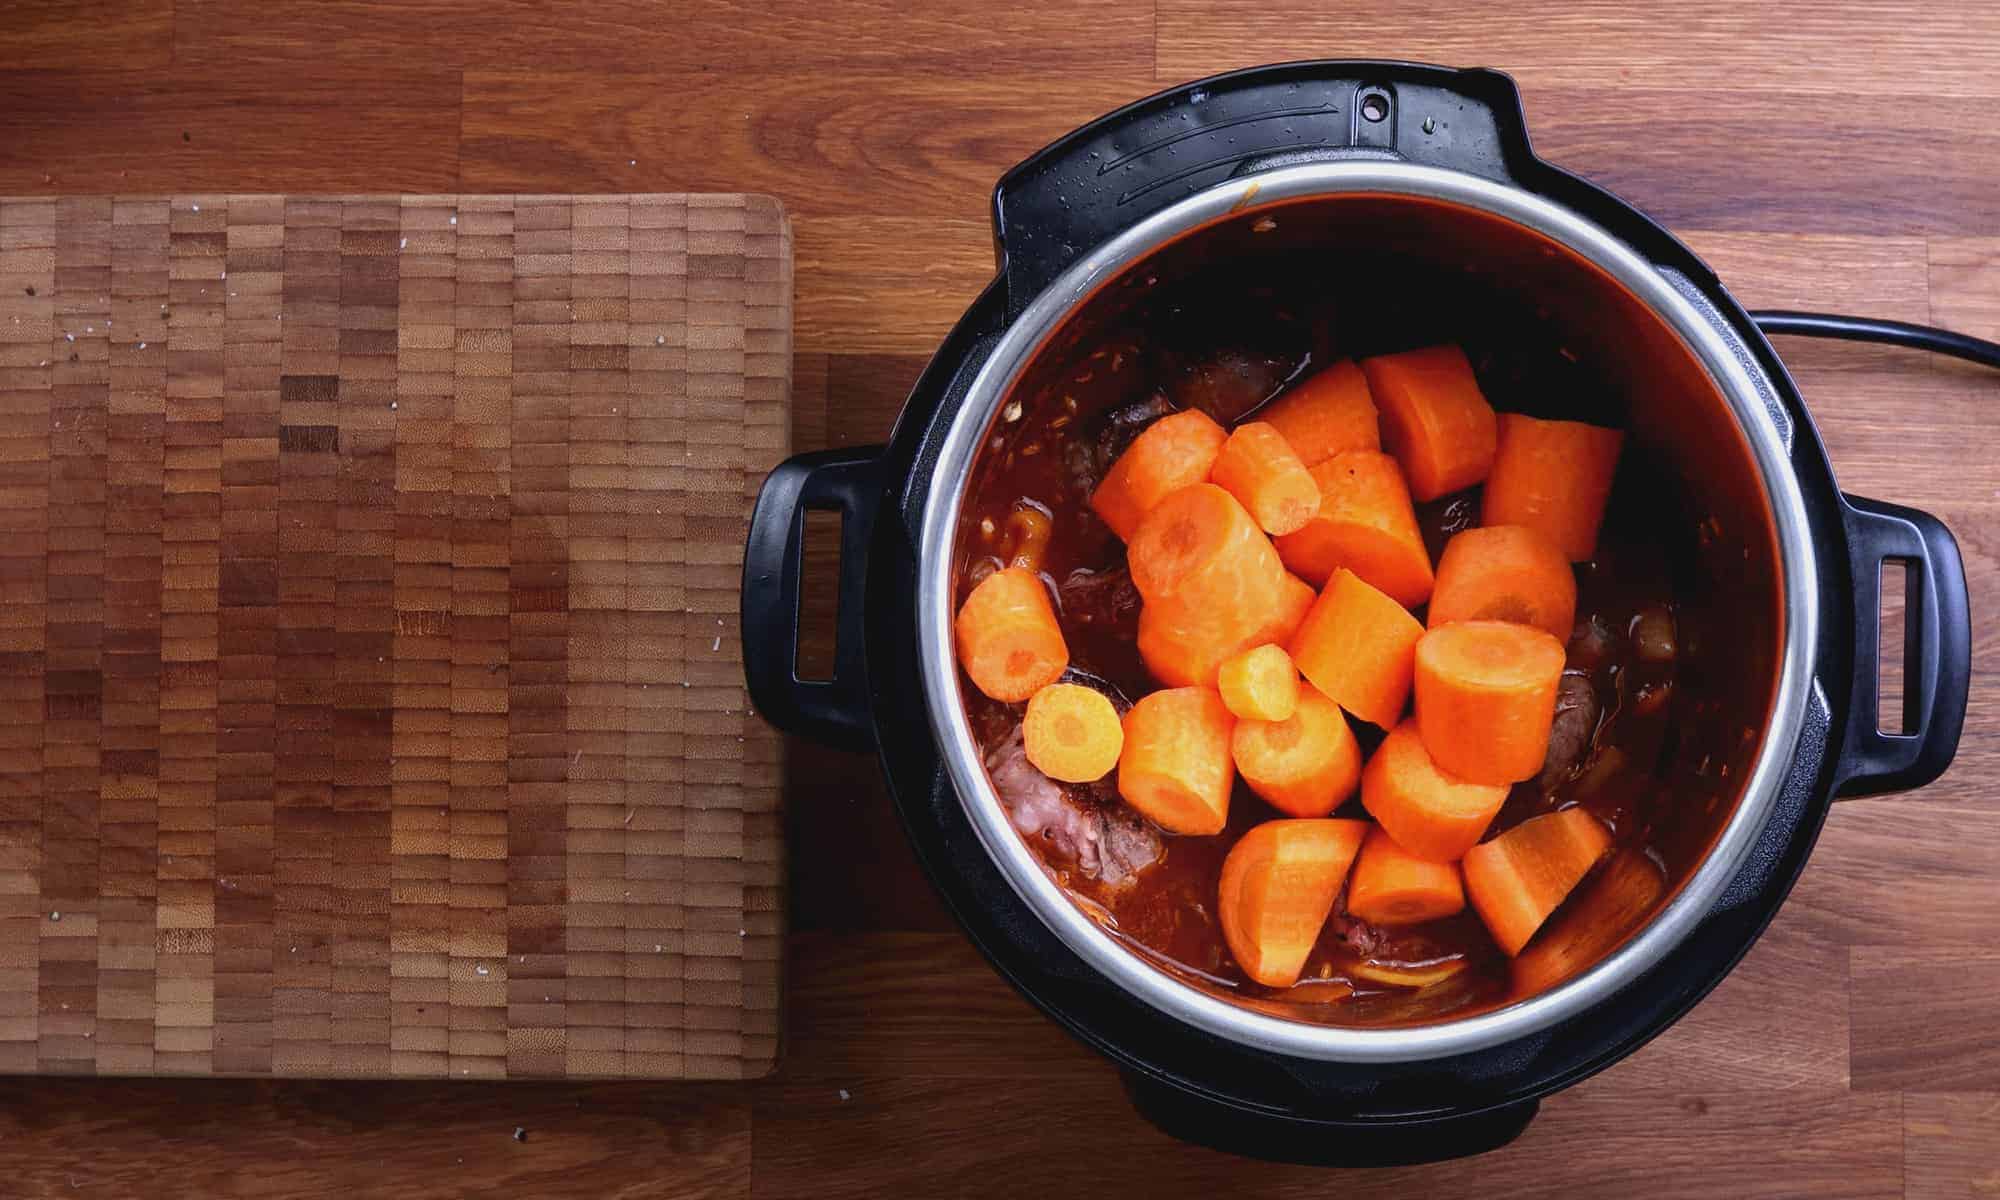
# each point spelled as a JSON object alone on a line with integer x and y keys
{"x": 1696, "y": 393}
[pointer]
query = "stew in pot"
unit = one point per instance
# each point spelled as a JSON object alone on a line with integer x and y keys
{"x": 1327, "y": 662}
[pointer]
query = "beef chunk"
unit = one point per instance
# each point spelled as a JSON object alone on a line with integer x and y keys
{"x": 1081, "y": 823}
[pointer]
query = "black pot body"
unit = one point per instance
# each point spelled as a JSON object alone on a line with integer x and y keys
{"x": 1058, "y": 205}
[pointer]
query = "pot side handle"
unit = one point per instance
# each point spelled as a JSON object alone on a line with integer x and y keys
{"x": 835, "y": 710}
{"x": 1283, "y": 1137}
{"x": 1937, "y": 653}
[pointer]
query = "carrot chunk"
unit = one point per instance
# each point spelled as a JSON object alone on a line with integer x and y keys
{"x": 1554, "y": 477}
{"x": 1505, "y": 573}
{"x": 1486, "y": 696}
{"x": 1072, "y": 733}
{"x": 1295, "y": 600}
{"x": 1366, "y": 524}
{"x": 1173, "y": 452}
{"x": 1357, "y": 646}
{"x": 1258, "y": 467}
{"x": 1391, "y": 886}
{"x": 1431, "y": 813}
{"x": 1260, "y": 684}
{"x": 1212, "y": 584}
{"x": 1278, "y": 885}
{"x": 1175, "y": 767}
{"x": 1008, "y": 640}
{"x": 1197, "y": 541}
{"x": 1304, "y": 766}
{"x": 1327, "y": 413}
{"x": 1516, "y": 880}
{"x": 1435, "y": 420}
{"x": 1606, "y": 909}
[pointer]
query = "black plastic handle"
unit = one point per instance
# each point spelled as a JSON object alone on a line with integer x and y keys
{"x": 1937, "y": 657}
{"x": 1288, "y": 1138}
{"x": 835, "y": 711}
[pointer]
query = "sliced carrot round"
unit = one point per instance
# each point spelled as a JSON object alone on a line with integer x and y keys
{"x": 1358, "y": 646}
{"x": 1505, "y": 573}
{"x": 1553, "y": 476}
{"x": 1172, "y": 452}
{"x": 1435, "y": 420}
{"x": 1258, "y": 467}
{"x": 1175, "y": 767}
{"x": 1260, "y": 684}
{"x": 1306, "y": 765}
{"x": 1365, "y": 523}
{"x": 1391, "y": 886}
{"x": 1008, "y": 639}
{"x": 1072, "y": 733}
{"x": 1278, "y": 885}
{"x": 1430, "y": 812}
{"x": 1486, "y": 696}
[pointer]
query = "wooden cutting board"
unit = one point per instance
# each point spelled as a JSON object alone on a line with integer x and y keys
{"x": 370, "y": 690}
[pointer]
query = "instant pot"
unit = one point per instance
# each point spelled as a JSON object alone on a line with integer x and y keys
{"x": 1434, "y": 167}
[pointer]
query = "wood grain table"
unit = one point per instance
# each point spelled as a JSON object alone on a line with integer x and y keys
{"x": 1828, "y": 155}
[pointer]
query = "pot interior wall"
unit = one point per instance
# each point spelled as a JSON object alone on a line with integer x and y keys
{"x": 1250, "y": 297}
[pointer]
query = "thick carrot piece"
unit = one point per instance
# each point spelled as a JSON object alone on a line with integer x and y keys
{"x": 1278, "y": 885}
{"x": 1391, "y": 886}
{"x": 1175, "y": 767}
{"x": 1435, "y": 420}
{"x": 1173, "y": 452}
{"x": 1202, "y": 543}
{"x": 1305, "y": 766}
{"x": 1258, "y": 467}
{"x": 1325, "y": 414}
{"x": 1607, "y": 908}
{"x": 1554, "y": 477}
{"x": 1431, "y": 813}
{"x": 1260, "y": 684}
{"x": 1008, "y": 640}
{"x": 1366, "y": 524}
{"x": 1212, "y": 584}
{"x": 1516, "y": 880}
{"x": 1486, "y": 696}
{"x": 1505, "y": 573}
{"x": 1358, "y": 646}
{"x": 1295, "y": 600}
{"x": 1072, "y": 733}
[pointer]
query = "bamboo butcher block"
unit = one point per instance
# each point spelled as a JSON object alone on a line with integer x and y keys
{"x": 370, "y": 693}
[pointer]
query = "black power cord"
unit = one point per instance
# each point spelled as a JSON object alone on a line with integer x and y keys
{"x": 1869, "y": 329}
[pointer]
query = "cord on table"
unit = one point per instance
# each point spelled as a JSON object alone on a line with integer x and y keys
{"x": 1870, "y": 329}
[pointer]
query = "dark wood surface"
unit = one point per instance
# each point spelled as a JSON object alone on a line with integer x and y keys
{"x": 373, "y": 697}
{"x": 1834, "y": 155}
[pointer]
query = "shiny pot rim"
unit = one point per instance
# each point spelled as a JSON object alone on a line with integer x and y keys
{"x": 1023, "y": 340}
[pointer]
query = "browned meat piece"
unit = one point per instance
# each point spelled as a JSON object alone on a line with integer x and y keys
{"x": 1100, "y": 599}
{"x": 1106, "y": 841}
{"x": 1229, "y": 383}
{"x": 1592, "y": 644}
{"x": 1088, "y": 456}
{"x": 1575, "y": 724}
{"x": 1361, "y": 937}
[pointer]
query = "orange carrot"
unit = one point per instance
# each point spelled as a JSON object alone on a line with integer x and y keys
{"x": 1213, "y": 586}
{"x": 1278, "y": 885}
{"x": 1505, "y": 573}
{"x": 1072, "y": 733}
{"x": 1604, "y": 911}
{"x": 1201, "y": 542}
{"x": 1366, "y": 524}
{"x": 1432, "y": 814}
{"x": 1517, "y": 879}
{"x": 1295, "y": 600}
{"x": 1257, "y": 467}
{"x": 1305, "y": 766}
{"x": 1173, "y": 452}
{"x": 1175, "y": 765}
{"x": 1325, "y": 414}
{"x": 1260, "y": 684}
{"x": 1553, "y": 476}
{"x": 1357, "y": 646}
{"x": 1391, "y": 886}
{"x": 1486, "y": 696}
{"x": 1435, "y": 420}
{"x": 1008, "y": 638}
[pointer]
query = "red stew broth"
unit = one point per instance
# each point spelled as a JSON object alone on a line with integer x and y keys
{"x": 1224, "y": 342}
